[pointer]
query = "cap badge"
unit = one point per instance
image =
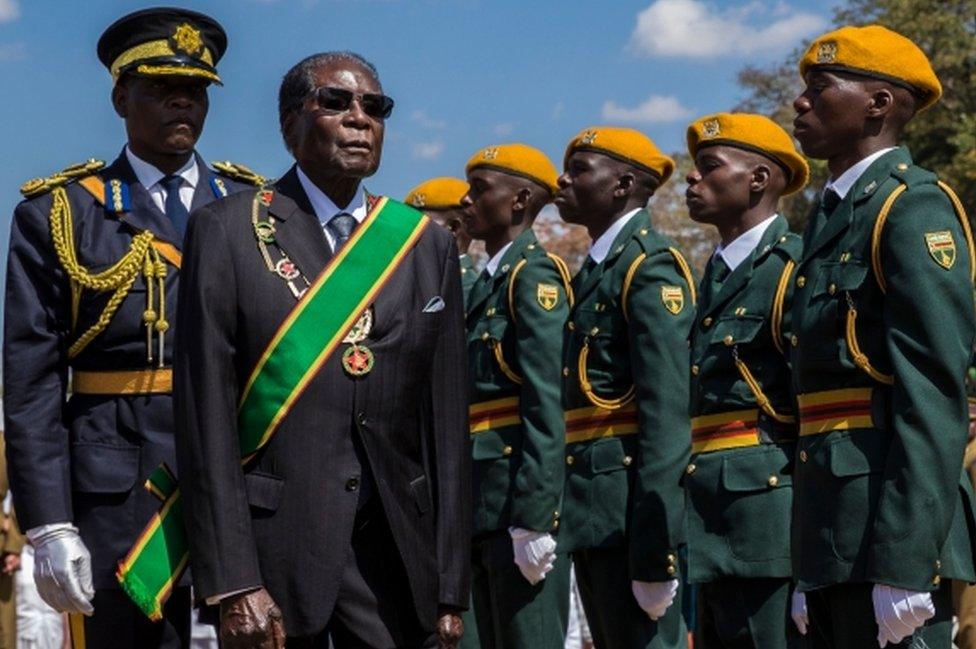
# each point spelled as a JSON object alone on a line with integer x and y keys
{"x": 186, "y": 38}
{"x": 588, "y": 137}
{"x": 827, "y": 52}
{"x": 419, "y": 200}
{"x": 490, "y": 153}
{"x": 711, "y": 128}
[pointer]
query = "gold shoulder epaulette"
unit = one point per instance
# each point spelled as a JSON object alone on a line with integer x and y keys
{"x": 239, "y": 172}
{"x": 38, "y": 186}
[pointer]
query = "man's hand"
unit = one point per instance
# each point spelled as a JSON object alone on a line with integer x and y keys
{"x": 654, "y": 597}
{"x": 62, "y": 568}
{"x": 899, "y": 612}
{"x": 11, "y": 563}
{"x": 251, "y": 621}
{"x": 450, "y": 628}
{"x": 535, "y": 553}
{"x": 798, "y": 611}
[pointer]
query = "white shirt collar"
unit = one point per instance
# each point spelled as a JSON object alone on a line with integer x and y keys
{"x": 742, "y": 246}
{"x": 600, "y": 248}
{"x": 323, "y": 206}
{"x": 846, "y": 180}
{"x": 148, "y": 175}
{"x": 492, "y": 264}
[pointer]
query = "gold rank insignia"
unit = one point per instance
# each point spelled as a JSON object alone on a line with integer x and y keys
{"x": 548, "y": 296}
{"x": 186, "y": 38}
{"x": 588, "y": 137}
{"x": 942, "y": 248}
{"x": 673, "y": 298}
{"x": 419, "y": 200}
{"x": 711, "y": 128}
{"x": 827, "y": 52}
{"x": 490, "y": 153}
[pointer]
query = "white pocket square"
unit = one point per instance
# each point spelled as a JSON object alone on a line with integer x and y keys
{"x": 434, "y": 305}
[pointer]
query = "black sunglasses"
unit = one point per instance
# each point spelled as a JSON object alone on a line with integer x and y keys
{"x": 339, "y": 100}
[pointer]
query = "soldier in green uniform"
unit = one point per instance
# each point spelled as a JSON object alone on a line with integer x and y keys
{"x": 440, "y": 199}
{"x": 625, "y": 368}
{"x": 743, "y": 426}
{"x": 515, "y": 317}
{"x": 883, "y": 321}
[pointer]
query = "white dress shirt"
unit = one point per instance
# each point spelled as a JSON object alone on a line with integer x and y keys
{"x": 492, "y": 264}
{"x": 600, "y": 248}
{"x": 742, "y": 246}
{"x": 149, "y": 177}
{"x": 325, "y": 209}
{"x": 847, "y": 179}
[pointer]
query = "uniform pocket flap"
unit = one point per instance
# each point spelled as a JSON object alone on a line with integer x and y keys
{"x": 737, "y": 329}
{"x": 607, "y": 455}
{"x": 493, "y": 445}
{"x": 756, "y": 471}
{"x": 852, "y": 456}
{"x": 836, "y": 278}
{"x": 264, "y": 490}
{"x": 104, "y": 468}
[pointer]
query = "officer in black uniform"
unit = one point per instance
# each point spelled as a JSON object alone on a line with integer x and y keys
{"x": 92, "y": 277}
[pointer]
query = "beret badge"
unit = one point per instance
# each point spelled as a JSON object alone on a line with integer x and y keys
{"x": 419, "y": 200}
{"x": 490, "y": 153}
{"x": 186, "y": 38}
{"x": 827, "y": 52}
{"x": 711, "y": 128}
{"x": 588, "y": 137}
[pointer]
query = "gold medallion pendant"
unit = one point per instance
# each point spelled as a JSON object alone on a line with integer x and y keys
{"x": 358, "y": 360}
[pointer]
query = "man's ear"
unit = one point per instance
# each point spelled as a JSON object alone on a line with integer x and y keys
{"x": 625, "y": 185}
{"x": 520, "y": 202}
{"x": 288, "y": 126}
{"x": 120, "y": 99}
{"x": 882, "y": 102}
{"x": 761, "y": 175}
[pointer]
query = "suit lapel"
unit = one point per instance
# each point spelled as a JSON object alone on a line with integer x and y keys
{"x": 297, "y": 228}
{"x": 204, "y": 192}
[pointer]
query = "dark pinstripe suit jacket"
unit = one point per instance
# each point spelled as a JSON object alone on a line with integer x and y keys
{"x": 285, "y": 520}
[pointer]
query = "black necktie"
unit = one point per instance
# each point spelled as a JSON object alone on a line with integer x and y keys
{"x": 480, "y": 288}
{"x": 830, "y": 201}
{"x": 176, "y": 211}
{"x": 341, "y": 226}
{"x": 718, "y": 272}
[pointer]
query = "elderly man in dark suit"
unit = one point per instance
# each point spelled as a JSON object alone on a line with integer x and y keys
{"x": 320, "y": 393}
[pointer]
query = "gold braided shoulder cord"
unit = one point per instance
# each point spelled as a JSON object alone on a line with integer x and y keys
{"x": 119, "y": 278}
{"x": 761, "y": 399}
{"x": 776, "y": 313}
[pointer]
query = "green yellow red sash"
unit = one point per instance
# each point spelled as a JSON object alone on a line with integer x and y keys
{"x": 303, "y": 343}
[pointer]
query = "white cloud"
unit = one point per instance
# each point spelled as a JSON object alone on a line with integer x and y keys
{"x": 696, "y": 28}
{"x": 504, "y": 129}
{"x": 655, "y": 109}
{"x": 558, "y": 110}
{"x": 428, "y": 122}
{"x": 428, "y": 150}
{"x": 9, "y": 11}
{"x": 13, "y": 51}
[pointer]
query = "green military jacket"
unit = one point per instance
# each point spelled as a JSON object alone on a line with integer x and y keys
{"x": 739, "y": 481}
{"x": 884, "y": 325}
{"x": 515, "y": 322}
{"x": 469, "y": 275}
{"x": 625, "y": 394}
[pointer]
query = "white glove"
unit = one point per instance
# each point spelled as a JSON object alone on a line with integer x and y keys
{"x": 535, "y": 553}
{"x": 654, "y": 597}
{"x": 62, "y": 568}
{"x": 899, "y": 612}
{"x": 798, "y": 611}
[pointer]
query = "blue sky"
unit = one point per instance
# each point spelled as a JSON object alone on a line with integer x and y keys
{"x": 464, "y": 73}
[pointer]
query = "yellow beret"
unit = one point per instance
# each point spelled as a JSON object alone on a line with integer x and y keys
{"x": 437, "y": 194}
{"x": 876, "y": 51}
{"x": 626, "y": 144}
{"x": 755, "y": 133}
{"x": 518, "y": 159}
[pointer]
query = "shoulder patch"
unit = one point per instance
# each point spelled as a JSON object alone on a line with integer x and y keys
{"x": 673, "y": 298}
{"x": 547, "y": 295}
{"x": 38, "y": 186}
{"x": 239, "y": 173}
{"x": 942, "y": 247}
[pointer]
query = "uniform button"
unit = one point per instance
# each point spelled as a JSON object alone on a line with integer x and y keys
{"x": 691, "y": 469}
{"x": 485, "y": 336}
{"x": 570, "y": 459}
{"x": 643, "y": 232}
{"x": 902, "y": 166}
{"x": 555, "y": 525}
{"x": 782, "y": 239}
{"x": 803, "y": 456}
{"x": 695, "y": 370}
{"x": 671, "y": 570}
{"x": 672, "y": 558}
{"x": 361, "y": 418}
{"x": 936, "y": 580}
{"x": 628, "y": 460}
{"x": 707, "y": 322}
{"x": 507, "y": 451}
{"x": 801, "y": 281}
{"x": 728, "y": 340}
{"x": 531, "y": 246}
{"x": 832, "y": 289}
{"x": 555, "y": 514}
{"x": 938, "y": 565}
{"x": 571, "y": 325}
{"x": 594, "y": 331}
{"x": 794, "y": 340}
{"x": 565, "y": 371}
{"x": 490, "y": 311}
{"x": 352, "y": 484}
{"x": 773, "y": 481}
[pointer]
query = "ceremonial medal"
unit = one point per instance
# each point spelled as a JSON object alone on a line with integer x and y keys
{"x": 360, "y": 331}
{"x": 358, "y": 360}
